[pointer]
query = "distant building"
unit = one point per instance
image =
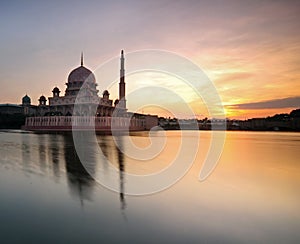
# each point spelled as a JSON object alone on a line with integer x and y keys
{"x": 13, "y": 115}
{"x": 25, "y": 108}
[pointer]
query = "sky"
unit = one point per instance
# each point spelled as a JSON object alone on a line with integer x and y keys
{"x": 248, "y": 49}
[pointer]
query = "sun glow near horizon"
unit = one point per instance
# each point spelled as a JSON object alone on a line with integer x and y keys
{"x": 248, "y": 50}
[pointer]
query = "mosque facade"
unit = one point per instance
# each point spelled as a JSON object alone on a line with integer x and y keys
{"x": 58, "y": 113}
{"x": 81, "y": 87}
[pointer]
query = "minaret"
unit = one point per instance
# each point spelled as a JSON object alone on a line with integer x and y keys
{"x": 122, "y": 83}
{"x": 81, "y": 61}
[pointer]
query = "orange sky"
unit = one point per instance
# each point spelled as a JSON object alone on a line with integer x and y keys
{"x": 248, "y": 49}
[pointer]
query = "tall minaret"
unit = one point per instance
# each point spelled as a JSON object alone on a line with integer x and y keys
{"x": 122, "y": 83}
{"x": 81, "y": 60}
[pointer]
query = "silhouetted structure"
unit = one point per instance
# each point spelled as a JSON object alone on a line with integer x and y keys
{"x": 82, "y": 90}
{"x": 278, "y": 122}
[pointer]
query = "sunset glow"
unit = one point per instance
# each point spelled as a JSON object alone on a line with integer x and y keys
{"x": 249, "y": 50}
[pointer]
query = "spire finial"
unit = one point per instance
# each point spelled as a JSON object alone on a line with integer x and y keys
{"x": 81, "y": 59}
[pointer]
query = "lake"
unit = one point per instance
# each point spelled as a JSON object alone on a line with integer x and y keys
{"x": 48, "y": 196}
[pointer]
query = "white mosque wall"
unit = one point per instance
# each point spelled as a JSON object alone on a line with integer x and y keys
{"x": 69, "y": 123}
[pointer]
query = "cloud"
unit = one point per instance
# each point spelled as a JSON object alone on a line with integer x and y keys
{"x": 237, "y": 76}
{"x": 289, "y": 102}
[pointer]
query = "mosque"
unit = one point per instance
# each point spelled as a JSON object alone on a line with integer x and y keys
{"x": 84, "y": 79}
{"x": 81, "y": 87}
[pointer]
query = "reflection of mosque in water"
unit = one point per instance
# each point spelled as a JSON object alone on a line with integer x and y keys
{"x": 80, "y": 181}
{"x": 38, "y": 150}
{"x": 115, "y": 156}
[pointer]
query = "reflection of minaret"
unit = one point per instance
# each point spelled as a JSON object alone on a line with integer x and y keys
{"x": 110, "y": 148}
{"x": 121, "y": 172}
{"x": 122, "y": 100}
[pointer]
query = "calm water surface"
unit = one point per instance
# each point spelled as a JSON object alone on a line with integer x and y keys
{"x": 253, "y": 195}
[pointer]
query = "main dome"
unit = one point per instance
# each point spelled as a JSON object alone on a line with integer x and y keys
{"x": 81, "y": 74}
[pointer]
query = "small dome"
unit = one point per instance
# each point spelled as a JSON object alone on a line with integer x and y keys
{"x": 81, "y": 74}
{"x": 42, "y": 98}
{"x": 26, "y": 100}
{"x": 56, "y": 90}
{"x": 106, "y": 93}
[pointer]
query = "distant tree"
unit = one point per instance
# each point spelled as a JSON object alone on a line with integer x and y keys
{"x": 279, "y": 117}
{"x": 12, "y": 121}
{"x": 295, "y": 113}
